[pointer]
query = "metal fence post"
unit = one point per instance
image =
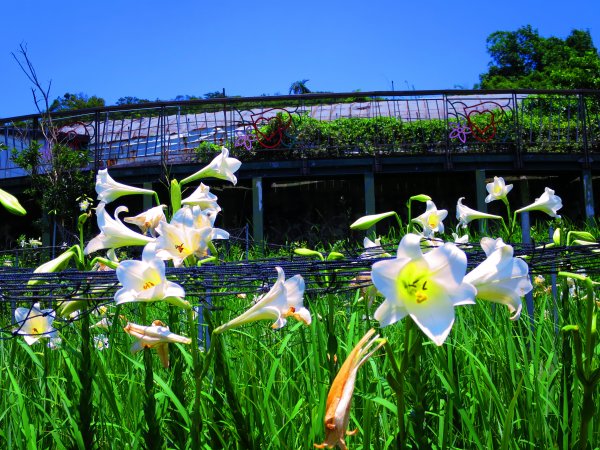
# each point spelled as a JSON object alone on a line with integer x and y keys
{"x": 582, "y": 120}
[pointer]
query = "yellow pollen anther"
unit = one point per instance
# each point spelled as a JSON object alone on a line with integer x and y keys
{"x": 148, "y": 285}
{"x": 420, "y": 297}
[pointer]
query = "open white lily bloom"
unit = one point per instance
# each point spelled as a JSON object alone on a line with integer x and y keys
{"x": 189, "y": 233}
{"x": 282, "y": 301}
{"x": 464, "y": 214}
{"x": 156, "y": 336}
{"x": 497, "y": 190}
{"x": 222, "y": 167}
{"x": 501, "y": 278}
{"x": 339, "y": 399}
{"x": 113, "y": 233}
{"x": 426, "y": 287}
{"x": 35, "y": 323}
{"x": 203, "y": 198}
{"x": 145, "y": 281}
{"x": 109, "y": 190}
{"x": 548, "y": 203}
{"x": 431, "y": 220}
{"x": 148, "y": 220}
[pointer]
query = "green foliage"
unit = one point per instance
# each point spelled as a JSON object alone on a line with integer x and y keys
{"x": 524, "y": 59}
{"x": 131, "y": 101}
{"x": 70, "y": 101}
{"x": 206, "y": 151}
{"x": 58, "y": 177}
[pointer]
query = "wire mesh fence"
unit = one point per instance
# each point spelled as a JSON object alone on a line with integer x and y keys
{"x": 212, "y": 286}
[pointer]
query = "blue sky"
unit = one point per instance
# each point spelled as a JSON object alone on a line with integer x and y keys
{"x": 158, "y": 49}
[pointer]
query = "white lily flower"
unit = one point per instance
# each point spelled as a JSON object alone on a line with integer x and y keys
{"x": 426, "y": 287}
{"x": 113, "y": 234}
{"x": 101, "y": 342}
{"x": 103, "y": 323}
{"x": 203, "y": 198}
{"x": 501, "y": 278}
{"x": 35, "y": 323}
{"x": 464, "y": 214}
{"x": 145, "y": 281}
{"x": 222, "y": 167}
{"x": 339, "y": 399}
{"x": 431, "y": 219}
{"x": 497, "y": 190}
{"x": 189, "y": 233}
{"x": 156, "y": 336}
{"x": 282, "y": 301}
{"x": 489, "y": 245}
{"x": 109, "y": 190}
{"x": 148, "y": 220}
{"x": 548, "y": 203}
{"x": 464, "y": 239}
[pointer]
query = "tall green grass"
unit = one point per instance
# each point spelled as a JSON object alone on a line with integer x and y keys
{"x": 493, "y": 384}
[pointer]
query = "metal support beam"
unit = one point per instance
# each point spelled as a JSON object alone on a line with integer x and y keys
{"x": 588, "y": 194}
{"x": 257, "y": 210}
{"x": 480, "y": 193}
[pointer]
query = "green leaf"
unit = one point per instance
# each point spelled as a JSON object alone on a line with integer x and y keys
{"x": 335, "y": 256}
{"x": 366, "y": 222}
{"x": 54, "y": 265}
{"x": 420, "y": 198}
{"x": 308, "y": 252}
{"x": 11, "y": 203}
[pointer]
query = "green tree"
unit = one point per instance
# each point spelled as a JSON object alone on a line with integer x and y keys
{"x": 55, "y": 168}
{"x": 299, "y": 87}
{"x": 524, "y": 59}
{"x": 131, "y": 100}
{"x": 70, "y": 101}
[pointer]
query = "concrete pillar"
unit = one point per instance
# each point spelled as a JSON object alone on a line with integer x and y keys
{"x": 588, "y": 194}
{"x": 526, "y": 239}
{"x": 369, "y": 180}
{"x": 147, "y": 199}
{"x": 481, "y": 194}
{"x": 257, "y": 209}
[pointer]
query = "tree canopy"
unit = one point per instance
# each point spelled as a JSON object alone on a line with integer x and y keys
{"x": 524, "y": 59}
{"x": 76, "y": 101}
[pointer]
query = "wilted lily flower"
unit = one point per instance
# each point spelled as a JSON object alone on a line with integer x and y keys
{"x": 431, "y": 220}
{"x": 497, "y": 190}
{"x": 145, "y": 281}
{"x": 35, "y": 323}
{"x": 148, "y": 220}
{"x": 109, "y": 190}
{"x": 339, "y": 399}
{"x": 548, "y": 203}
{"x": 282, "y": 301}
{"x": 156, "y": 336}
{"x": 425, "y": 286}
{"x": 113, "y": 234}
{"x": 501, "y": 278}
{"x": 203, "y": 198}
{"x": 464, "y": 214}
{"x": 222, "y": 167}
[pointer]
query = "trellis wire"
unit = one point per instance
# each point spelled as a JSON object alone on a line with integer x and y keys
{"x": 227, "y": 279}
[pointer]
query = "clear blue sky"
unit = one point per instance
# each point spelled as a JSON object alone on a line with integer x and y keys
{"x": 158, "y": 49}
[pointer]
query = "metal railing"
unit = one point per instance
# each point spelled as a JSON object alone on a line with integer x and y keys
{"x": 321, "y": 126}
